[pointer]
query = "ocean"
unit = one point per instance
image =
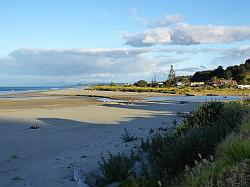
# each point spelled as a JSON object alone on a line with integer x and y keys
{"x": 7, "y": 90}
{"x": 11, "y": 90}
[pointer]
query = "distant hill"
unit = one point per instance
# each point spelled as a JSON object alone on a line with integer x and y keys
{"x": 239, "y": 73}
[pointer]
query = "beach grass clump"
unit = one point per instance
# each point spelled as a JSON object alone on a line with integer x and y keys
{"x": 236, "y": 151}
{"x": 169, "y": 155}
{"x": 128, "y": 136}
{"x": 115, "y": 168}
{"x": 210, "y": 147}
{"x": 144, "y": 145}
{"x": 232, "y": 164}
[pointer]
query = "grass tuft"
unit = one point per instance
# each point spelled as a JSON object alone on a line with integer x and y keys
{"x": 128, "y": 137}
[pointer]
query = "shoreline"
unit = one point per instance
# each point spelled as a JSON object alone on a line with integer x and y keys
{"x": 119, "y": 94}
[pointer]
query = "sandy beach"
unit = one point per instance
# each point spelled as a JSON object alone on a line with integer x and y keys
{"x": 74, "y": 128}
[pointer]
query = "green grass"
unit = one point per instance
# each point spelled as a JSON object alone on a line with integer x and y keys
{"x": 135, "y": 89}
{"x": 237, "y": 150}
{"x": 232, "y": 164}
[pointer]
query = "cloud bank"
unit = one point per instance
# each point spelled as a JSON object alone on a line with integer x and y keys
{"x": 78, "y": 65}
{"x": 44, "y": 67}
{"x": 186, "y": 34}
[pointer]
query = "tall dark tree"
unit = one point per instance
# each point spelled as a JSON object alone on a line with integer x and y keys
{"x": 228, "y": 74}
{"x": 202, "y": 76}
{"x": 171, "y": 74}
{"x": 219, "y": 72}
{"x": 171, "y": 77}
{"x": 141, "y": 83}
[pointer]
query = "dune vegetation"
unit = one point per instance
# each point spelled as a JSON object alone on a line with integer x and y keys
{"x": 211, "y": 147}
{"x": 209, "y": 90}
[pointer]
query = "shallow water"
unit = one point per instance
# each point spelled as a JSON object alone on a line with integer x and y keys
{"x": 195, "y": 98}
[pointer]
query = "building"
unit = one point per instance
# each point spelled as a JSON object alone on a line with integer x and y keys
{"x": 221, "y": 82}
{"x": 244, "y": 86}
{"x": 197, "y": 84}
{"x": 180, "y": 84}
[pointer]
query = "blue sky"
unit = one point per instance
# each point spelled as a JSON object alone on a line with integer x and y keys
{"x": 54, "y": 42}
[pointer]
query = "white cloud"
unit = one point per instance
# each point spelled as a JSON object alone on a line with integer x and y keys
{"x": 148, "y": 38}
{"x": 51, "y": 66}
{"x": 185, "y": 34}
{"x": 76, "y": 65}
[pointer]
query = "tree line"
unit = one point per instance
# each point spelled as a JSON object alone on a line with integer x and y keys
{"x": 239, "y": 73}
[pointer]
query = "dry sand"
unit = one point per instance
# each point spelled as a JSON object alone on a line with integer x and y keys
{"x": 74, "y": 130}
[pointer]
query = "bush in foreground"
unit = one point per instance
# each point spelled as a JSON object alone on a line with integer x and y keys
{"x": 114, "y": 169}
{"x": 184, "y": 156}
{"x": 232, "y": 166}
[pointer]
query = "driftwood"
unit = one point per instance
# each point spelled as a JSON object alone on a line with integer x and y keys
{"x": 79, "y": 178}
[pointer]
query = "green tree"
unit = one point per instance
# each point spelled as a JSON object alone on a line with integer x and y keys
{"x": 228, "y": 74}
{"x": 219, "y": 72}
{"x": 184, "y": 79}
{"x": 141, "y": 83}
{"x": 171, "y": 77}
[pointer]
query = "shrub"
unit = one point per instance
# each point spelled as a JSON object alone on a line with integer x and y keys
{"x": 169, "y": 155}
{"x": 205, "y": 116}
{"x": 115, "y": 168}
{"x": 141, "y": 83}
{"x": 232, "y": 167}
{"x": 191, "y": 146}
{"x": 128, "y": 137}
